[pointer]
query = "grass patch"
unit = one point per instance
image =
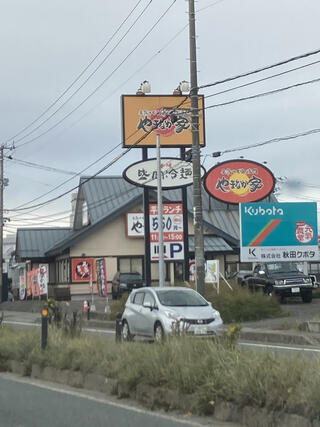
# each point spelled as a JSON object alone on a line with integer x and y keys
{"x": 209, "y": 370}
{"x": 240, "y": 304}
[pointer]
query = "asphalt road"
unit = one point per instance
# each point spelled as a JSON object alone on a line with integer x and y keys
{"x": 34, "y": 403}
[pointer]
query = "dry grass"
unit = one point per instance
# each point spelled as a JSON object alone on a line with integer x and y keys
{"x": 210, "y": 369}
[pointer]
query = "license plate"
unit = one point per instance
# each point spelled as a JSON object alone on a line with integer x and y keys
{"x": 295, "y": 290}
{"x": 200, "y": 330}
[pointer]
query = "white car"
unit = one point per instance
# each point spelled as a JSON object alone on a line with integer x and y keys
{"x": 160, "y": 312}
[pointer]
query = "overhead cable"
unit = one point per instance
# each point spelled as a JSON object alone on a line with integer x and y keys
{"x": 87, "y": 78}
{"x": 261, "y": 94}
{"x": 77, "y": 78}
{"x": 102, "y": 83}
{"x": 259, "y": 70}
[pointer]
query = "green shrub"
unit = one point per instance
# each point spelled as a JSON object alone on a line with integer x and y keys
{"x": 240, "y": 304}
{"x": 117, "y": 306}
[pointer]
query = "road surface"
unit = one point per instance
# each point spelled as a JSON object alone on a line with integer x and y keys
{"x": 34, "y": 403}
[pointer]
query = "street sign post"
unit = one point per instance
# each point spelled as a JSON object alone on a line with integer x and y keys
{"x": 278, "y": 232}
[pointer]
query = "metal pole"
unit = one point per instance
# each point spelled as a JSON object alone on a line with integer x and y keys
{"x": 197, "y": 201}
{"x": 147, "y": 260}
{"x": 185, "y": 225}
{"x": 1, "y": 222}
{"x": 160, "y": 216}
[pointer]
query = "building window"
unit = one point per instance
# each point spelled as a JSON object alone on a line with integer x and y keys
{"x": 130, "y": 265}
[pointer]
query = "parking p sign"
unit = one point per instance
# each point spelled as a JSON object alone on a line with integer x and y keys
{"x": 278, "y": 232}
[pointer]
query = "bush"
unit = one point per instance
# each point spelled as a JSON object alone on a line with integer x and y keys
{"x": 240, "y": 304}
{"x": 117, "y": 306}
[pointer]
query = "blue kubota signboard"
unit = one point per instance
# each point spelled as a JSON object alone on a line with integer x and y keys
{"x": 278, "y": 231}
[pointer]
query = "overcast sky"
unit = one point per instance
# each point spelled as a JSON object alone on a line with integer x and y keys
{"x": 46, "y": 45}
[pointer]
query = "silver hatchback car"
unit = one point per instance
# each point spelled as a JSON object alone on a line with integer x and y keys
{"x": 160, "y": 312}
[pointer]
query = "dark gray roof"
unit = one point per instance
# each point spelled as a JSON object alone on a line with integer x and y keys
{"x": 105, "y": 195}
{"x": 212, "y": 244}
{"x": 34, "y": 242}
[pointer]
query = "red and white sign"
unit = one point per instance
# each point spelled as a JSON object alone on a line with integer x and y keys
{"x": 304, "y": 232}
{"x": 239, "y": 181}
{"x": 82, "y": 268}
{"x": 173, "y": 234}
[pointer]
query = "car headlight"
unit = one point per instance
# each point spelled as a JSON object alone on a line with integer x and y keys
{"x": 172, "y": 315}
{"x": 307, "y": 280}
{"x": 279, "y": 282}
{"x": 123, "y": 285}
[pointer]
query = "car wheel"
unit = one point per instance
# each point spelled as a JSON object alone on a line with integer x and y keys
{"x": 125, "y": 333}
{"x": 158, "y": 332}
{"x": 306, "y": 296}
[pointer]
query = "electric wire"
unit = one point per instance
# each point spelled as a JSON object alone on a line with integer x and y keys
{"x": 262, "y": 94}
{"x": 135, "y": 144}
{"x": 259, "y": 70}
{"x": 87, "y": 78}
{"x": 262, "y": 79}
{"x": 267, "y": 142}
{"x": 77, "y": 78}
{"x": 68, "y": 180}
{"x": 38, "y": 166}
{"x": 102, "y": 83}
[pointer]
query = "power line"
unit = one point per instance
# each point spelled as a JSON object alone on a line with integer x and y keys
{"x": 77, "y": 78}
{"x": 87, "y": 79}
{"x": 269, "y": 141}
{"x": 258, "y": 70}
{"x": 263, "y": 79}
{"x": 105, "y": 167}
{"x": 102, "y": 83}
{"x": 68, "y": 180}
{"x": 262, "y": 94}
{"x": 38, "y": 166}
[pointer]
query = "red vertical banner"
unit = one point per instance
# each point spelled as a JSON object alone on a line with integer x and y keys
{"x": 101, "y": 277}
{"x": 35, "y": 282}
{"x": 29, "y": 276}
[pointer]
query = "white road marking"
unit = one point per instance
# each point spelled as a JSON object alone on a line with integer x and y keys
{"x": 43, "y": 385}
{"x": 38, "y": 325}
{"x": 13, "y": 322}
{"x": 279, "y": 347}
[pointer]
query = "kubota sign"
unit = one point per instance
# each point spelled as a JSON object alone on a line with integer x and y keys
{"x": 239, "y": 181}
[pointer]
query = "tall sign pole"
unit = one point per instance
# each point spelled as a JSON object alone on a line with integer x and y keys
{"x": 197, "y": 200}
{"x": 160, "y": 216}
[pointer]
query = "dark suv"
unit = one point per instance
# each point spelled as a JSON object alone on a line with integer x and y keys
{"x": 281, "y": 278}
{"x": 125, "y": 282}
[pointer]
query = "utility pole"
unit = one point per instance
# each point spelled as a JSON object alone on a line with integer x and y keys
{"x": 197, "y": 200}
{"x": 1, "y": 220}
{"x": 160, "y": 216}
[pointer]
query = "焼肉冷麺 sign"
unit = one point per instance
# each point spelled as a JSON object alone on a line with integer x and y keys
{"x": 175, "y": 173}
{"x": 167, "y": 115}
{"x": 173, "y": 234}
{"x": 239, "y": 181}
{"x": 278, "y": 232}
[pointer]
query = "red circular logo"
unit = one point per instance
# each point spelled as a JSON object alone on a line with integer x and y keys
{"x": 239, "y": 181}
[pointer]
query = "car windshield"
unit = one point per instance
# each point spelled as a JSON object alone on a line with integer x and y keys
{"x": 130, "y": 276}
{"x": 180, "y": 298}
{"x": 283, "y": 267}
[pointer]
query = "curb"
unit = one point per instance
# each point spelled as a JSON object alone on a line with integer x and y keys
{"x": 277, "y": 337}
{"x": 163, "y": 398}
